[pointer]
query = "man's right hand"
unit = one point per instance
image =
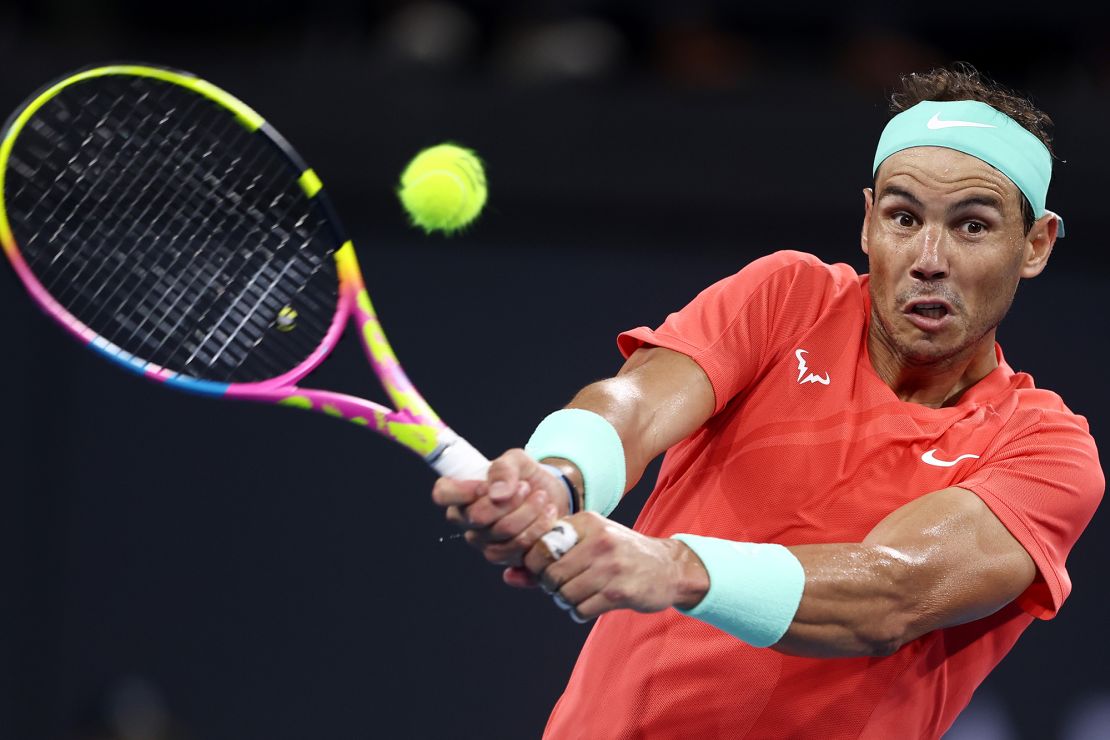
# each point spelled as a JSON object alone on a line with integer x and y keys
{"x": 504, "y": 515}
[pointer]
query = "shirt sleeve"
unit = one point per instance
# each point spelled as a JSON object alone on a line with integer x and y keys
{"x": 1044, "y": 484}
{"x": 735, "y": 326}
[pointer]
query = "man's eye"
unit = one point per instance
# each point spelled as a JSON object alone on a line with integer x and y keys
{"x": 974, "y": 227}
{"x": 904, "y": 219}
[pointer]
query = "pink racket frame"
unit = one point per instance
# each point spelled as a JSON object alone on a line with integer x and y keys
{"x": 412, "y": 423}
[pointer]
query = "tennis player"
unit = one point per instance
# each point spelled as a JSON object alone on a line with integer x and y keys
{"x": 862, "y": 505}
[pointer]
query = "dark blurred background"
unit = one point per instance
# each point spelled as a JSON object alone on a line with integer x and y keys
{"x": 176, "y": 567}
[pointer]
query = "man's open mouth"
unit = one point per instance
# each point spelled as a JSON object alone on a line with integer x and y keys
{"x": 930, "y": 310}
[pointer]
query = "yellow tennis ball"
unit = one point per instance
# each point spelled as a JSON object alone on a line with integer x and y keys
{"x": 443, "y": 188}
{"x": 287, "y": 319}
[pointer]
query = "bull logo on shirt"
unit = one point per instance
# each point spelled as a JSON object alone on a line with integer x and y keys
{"x": 802, "y": 368}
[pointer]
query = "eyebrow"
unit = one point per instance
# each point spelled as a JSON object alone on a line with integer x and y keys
{"x": 893, "y": 191}
{"x": 987, "y": 201}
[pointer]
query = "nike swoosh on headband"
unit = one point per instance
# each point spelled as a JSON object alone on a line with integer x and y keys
{"x": 935, "y": 123}
{"x": 980, "y": 131}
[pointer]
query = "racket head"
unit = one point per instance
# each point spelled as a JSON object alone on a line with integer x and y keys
{"x": 166, "y": 224}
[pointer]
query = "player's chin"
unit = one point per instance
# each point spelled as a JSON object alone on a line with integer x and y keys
{"x": 932, "y": 348}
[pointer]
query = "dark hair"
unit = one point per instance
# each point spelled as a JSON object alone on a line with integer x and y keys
{"x": 961, "y": 81}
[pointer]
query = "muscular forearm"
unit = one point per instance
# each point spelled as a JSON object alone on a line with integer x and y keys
{"x": 658, "y": 398}
{"x": 940, "y": 560}
{"x": 858, "y": 600}
{"x": 621, "y": 403}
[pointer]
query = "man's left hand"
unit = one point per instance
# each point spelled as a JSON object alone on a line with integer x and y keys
{"x": 614, "y": 567}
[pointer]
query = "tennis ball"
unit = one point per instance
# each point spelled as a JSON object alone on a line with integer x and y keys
{"x": 443, "y": 188}
{"x": 287, "y": 319}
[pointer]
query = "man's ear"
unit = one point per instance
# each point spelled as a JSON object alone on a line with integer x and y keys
{"x": 1038, "y": 244}
{"x": 868, "y": 204}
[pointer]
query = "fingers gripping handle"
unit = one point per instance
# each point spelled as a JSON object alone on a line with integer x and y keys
{"x": 457, "y": 458}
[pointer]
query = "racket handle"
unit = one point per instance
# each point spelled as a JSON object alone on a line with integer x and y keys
{"x": 457, "y": 458}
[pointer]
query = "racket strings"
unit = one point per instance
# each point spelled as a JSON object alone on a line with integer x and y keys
{"x": 161, "y": 223}
{"x": 85, "y": 185}
{"x": 119, "y": 212}
{"x": 174, "y": 160}
{"x": 183, "y": 283}
{"x": 269, "y": 283}
{"x": 175, "y": 285}
{"x": 118, "y": 209}
{"x": 158, "y": 291}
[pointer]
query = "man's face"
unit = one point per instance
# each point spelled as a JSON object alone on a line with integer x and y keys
{"x": 947, "y": 247}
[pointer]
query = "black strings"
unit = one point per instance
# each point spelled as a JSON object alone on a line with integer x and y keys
{"x": 156, "y": 219}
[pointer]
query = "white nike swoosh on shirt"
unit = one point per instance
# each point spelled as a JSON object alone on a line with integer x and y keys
{"x": 931, "y": 459}
{"x": 935, "y": 123}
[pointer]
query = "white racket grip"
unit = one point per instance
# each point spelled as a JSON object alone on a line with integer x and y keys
{"x": 457, "y": 458}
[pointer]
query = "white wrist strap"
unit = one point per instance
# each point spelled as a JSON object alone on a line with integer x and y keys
{"x": 572, "y": 505}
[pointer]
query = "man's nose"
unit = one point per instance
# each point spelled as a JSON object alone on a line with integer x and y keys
{"x": 931, "y": 261}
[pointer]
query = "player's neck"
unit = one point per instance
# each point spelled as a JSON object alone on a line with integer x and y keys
{"x": 936, "y": 384}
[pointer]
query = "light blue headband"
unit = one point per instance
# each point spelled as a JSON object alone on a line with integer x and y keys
{"x": 977, "y": 129}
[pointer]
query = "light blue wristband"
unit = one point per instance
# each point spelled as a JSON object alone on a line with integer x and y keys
{"x": 754, "y": 589}
{"x": 593, "y": 445}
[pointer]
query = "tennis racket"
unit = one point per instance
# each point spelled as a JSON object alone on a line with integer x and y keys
{"x": 169, "y": 227}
